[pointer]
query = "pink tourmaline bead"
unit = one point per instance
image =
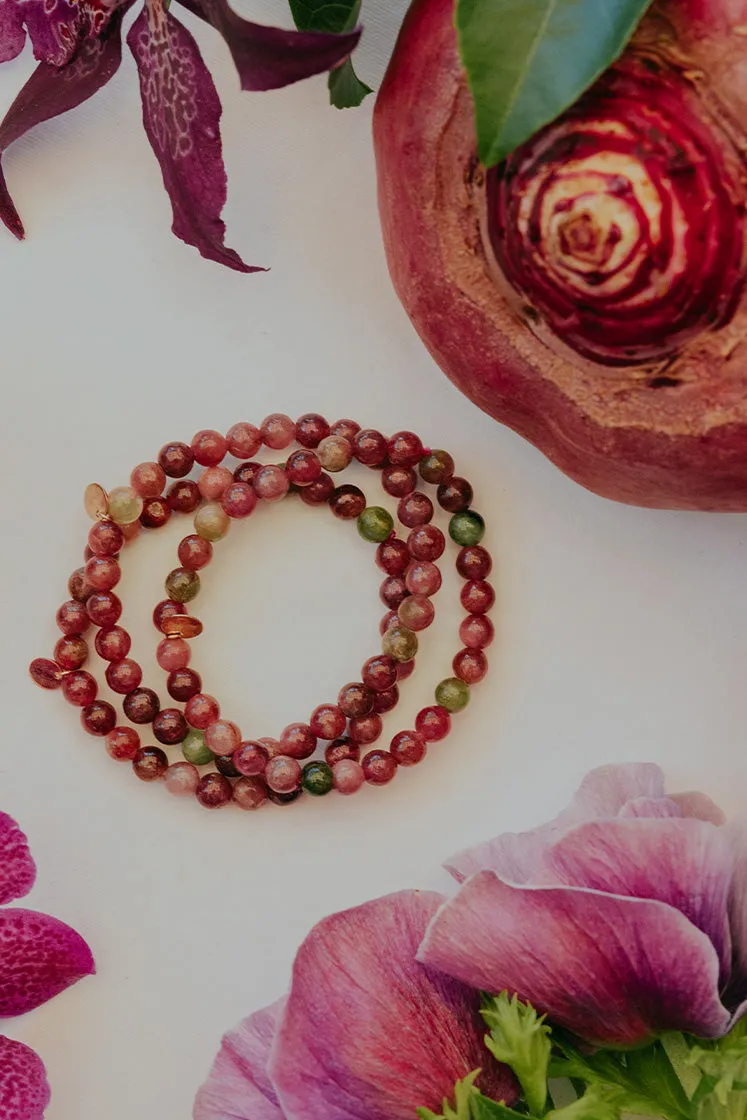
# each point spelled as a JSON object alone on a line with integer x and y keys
{"x": 148, "y": 480}
{"x": 209, "y": 447}
{"x": 311, "y": 429}
{"x": 122, "y": 743}
{"x": 239, "y": 499}
{"x": 408, "y": 748}
{"x": 393, "y": 591}
{"x": 477, "y": 631}
{"x": 369, "y": 447}
{"x": 470, "y": 665}
{"x": 423, "y": 578}
{"x": 340, "y": 749}
{"x": 202, "y": 710}
{"x": 46, "y": 673}
{"x": 393, "y": 557}
{"x": 347, "y": 429}
{"x": 71, "y": 652}
{"x": 194, "y": 552}
{"x": 222, "y": 736}
{"x": 391, "y": 618}
{"x": 405, "y": 449}
{"x": 79, "y": 688}
{"x": 214, "y": 481}
{"x": 415, "y": 510}
{"x": 399, "y": 481}
{"x": 251, "y": 759}
{"x": 98, "y": 718}
{"x": 250, "y": 793}
{"x": 327, "y": 722}
{"x": 366, "y": 729}
{"x": 477, "y": 596}
{"x": 297, "y": 740}
{"x": 113, "y": 643}
{"x": 474, "y": 562}
{"x": 426, "y": 543}
{"x": 416, "y": 612}
{"x": 405, "y": 669}
{"x": 319, "y": 492}
{"x": 283, "y": 774}
{"x": 271, "y": 483}
{"x": 72, "y": 618}
{"x": 214, "y": 791}
{"x": 385, "y": 701}
{"x": 182, "y": 779}
{"x": 173, "y": 653}
{"x": 244, "y": 440}
{"x": 105, "y": 538}
{"x": 183, "y": 684}
{"x": 348, "y": 775}
{"x": 303, "y": 467}
{"x": 123, "y": 676}
{"x": 379, "y": 767}
{"x": 103, "y": 572}
{"x": 379, "y": 673}
{"x": 131, "y": 532}
{"x": 272, "y": 746}
{"x": 277, "y": 431}
{"x": 104, "y": 608}
{"x": 433, "y": 723}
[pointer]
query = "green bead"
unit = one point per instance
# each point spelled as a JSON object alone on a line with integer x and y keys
{"x": 452, "y": 694}
{"x": 182, "y": 585}
{"x": 400, "y": 642}
{"x": 375, "y": 524}
{"x": 467, "y": 528}
{"x": 317, "y": 778}
{"x": 195, "y": 749}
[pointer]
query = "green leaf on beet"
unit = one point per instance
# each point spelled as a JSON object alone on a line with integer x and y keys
{"x": 346, "y": 90}
{"x": 529, "y": 60}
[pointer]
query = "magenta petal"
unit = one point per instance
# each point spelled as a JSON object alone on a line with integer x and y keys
{"x": 238, "y": 1086}
{"x": 24, "y": 1091}
{"x": 269, "y": 57}
{"x": 736, "y": 830}
{"x": 12, "y": 33}
{"x": 55, "y": 29}
{"x": 50, "y": 91}
{"x": 181, "y": 114}
{"x": 17, "y": 868}
{"x": 368, "y": 1033}
{"x": 39, "y": 957}
{"x": 614, "y": 970}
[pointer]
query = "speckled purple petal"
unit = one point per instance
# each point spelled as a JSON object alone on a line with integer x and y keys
{"x": 270, "y": 57}
{"x": 39, "y": 957}
{"x": 50, "y": 91}
{"x": 614, "y": 970}
{"x": 685, "y": 863}
{"x": 24, "y": 1091}
{"x": 181, "y": 115}
{"x": 698, "y": 805}
{"x": 17, "y": 868}
{"x": 12, "y": 32}
{"x": 55, "y": 27}
{"x": 517, "y": 856}
{"x": 238, "y": 1086}
{"x": 368, "y": 1033}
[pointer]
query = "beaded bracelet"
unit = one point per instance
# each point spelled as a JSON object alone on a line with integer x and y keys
{"x": 251, "y": 772}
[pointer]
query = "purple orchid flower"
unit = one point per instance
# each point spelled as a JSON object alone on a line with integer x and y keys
{"x": 623, "y": 918}
{"x": 39, "y": 957}
{"x": 78, "y": 45}
{"x": 366, "y": 1033}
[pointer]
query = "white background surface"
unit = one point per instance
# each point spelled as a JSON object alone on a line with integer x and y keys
{"x": 622, "y": 633}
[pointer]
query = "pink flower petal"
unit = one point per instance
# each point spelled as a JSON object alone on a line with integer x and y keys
{"x": 736, "y": 830}
{"x": 695, "y": 804}
{"x": 614, "y": 970}
{"x": 368, "y": 1033}
{"x": 602, "y": 794}
{"x": 39, "y": 957}
{"x": 238, "y": 1086}
{"x": 685, "y": 863}
{"x": 24, "y": 1091}
{"x": 12, "y": 33}
{"x": 50, "y": 91}
{"x": 651, "y": 807}
{"x": 270, "y": 57}
{"x": 181, "y": 115}
{"x": 17, "y": 868}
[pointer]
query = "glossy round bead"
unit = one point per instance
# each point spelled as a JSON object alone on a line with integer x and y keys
{"x": 244, "y": 440}
{"x": 250, "y": 793}
{"x": 347, "y": 502}
{"x": 426, "y": 543}
{"x": 477, "y": 596}
{"x": 195, "y": 749}
{"x": 123, "y": 676}
{"x": 79, "y": 688}
{"x": 202, "y": 710}
{"x": 194, "y": 552}
{"x": 385, "y": 701}
{"x": 212, "y": 522}
{"x": 78, "y": 586}
{"x": 452, "y": 694}
{"x": 278, "y": 431}
{"x": 103, "y": 573}
{"x": 416, "y": 612}
{"x": 405, "y": 449}
{"x": 379, "y": 673}
{"x": 398, "y": 481}
{"x": 71, "y": 652}
{"x": 271, "y": 483}
{"x": 311, "y": 429}
{"x": 390, "y": 619}
{"x": 297, "y": 740}
{"x": 251, "y": 759}
{"x": 317, "y": 778}
{"x": 348, "y": 776}
{"x": 183, "y": 684}
{"x": 46, "y": 673}
{"x": 303, "y": 468}
{"x": 340, "y": 749}
{"x": 167, "y": 608}
{"x": 470, "y": 665}
{"x": 105, "y": 538}
{"x": 393, "y": 557}
{"x": 141, "y": 706}
{"x": 209, "y": 447}
{"x": 176, "y": 459}
{"x": 224, "y": 765}
{"x": 222, "y": 736}
{"x": 365, "y": 729}
{"x": 455, "y": 495}
{"x": 182, "y": 585}
{"x": 375, "y": 524}
{"x": 182, "y": 779}
{"x": 474, "y": 562}
{"x": 122, "y": 743}
{"x": 270, "y": 745}
{"x": 408, "y": 748}
{"x": 405, "y": 669}
{"x": 173, "y": 653}
{"x": 214, "y": 791}
{"x": 415, "y": 510}
{"x": 113, "y": 643}
{"x": 170, "y": 727}
{"x": 335, "y": 453}
{"x": 247, "y": 472}
{"x": 369, "y": 447}
{"x": 477, "y": 631}
{"x": 423, "y": 578}
{"x": 433, "y": 723}
{"x": 319, "y": 492}
{"x": 436, "y": 467}
{"x": 184, "y": 497}
{"x": 355, "y": 700}
{"x": 467, "y": 527}
{"x": 327, "y": 722}
{"x": 283, "y": 775}
{"x": 104, "y": 608}
{"x": 98, "y": 718}
{"x": 125, "y": 505}
{"x": 348, "y": 429}
{"x": 131, "y": 532}
{"x": 393, "y": 591}
{"x": 239, "y": 500}
{"x": 156, "y": 512}
{"x": 400, "y": 643}
{"x": 214, "y": 481}
{"x": 150, "y": 764}
{"x": 379, "y": 767}
{"x": 148, "y": 480}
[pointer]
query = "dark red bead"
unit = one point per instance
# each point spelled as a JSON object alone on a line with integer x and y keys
{"x": 311, "y": 429}
{"x": 239, "y": 500}
{"x": 327, "y": 722}
{"x": 283, "y": 798}
{"x": 209, "y": 447}
{"x": 105, "y": 538}
{"x": 123, "y": 743}
{"x": 123, "y": 676}
{"x": 79, "y": 688}
{"x": 176, "y": 459}
{"x": 385, "y": 701}
{"x": 477, "y": 631}
{"x": 415, "y": 510}
{"x": 470, "y": 665}
{"x": 405, "y": 449}
{"x": 167, "y": 608}
{"x": 78, "y": 586}
{"x": 297, "y": 740}
{"x": 202, "y": 710}
{"x": 455, "y": 495}
{"x": 103, "y": 572}
{"x": 194, "y": 552}
{"x": 477, "y": 596}
{"x": 391, "y": 618}
{"x": 379, "y": 767}
{"x": 474, "y": 562}
{"x": 348, "y": 429}
{"x": 71, "y": 652}
{"x": 104, "y": 608}
{"x": 72, "y": 618}
{"x": 224, "y": 765}
{"x": 303, "y": 468}
{"x": 214, "y": 791}
{"x": 426, "y": 543}
{"x": 355, "y": 700}
{"x": 347, "y": 502}
{"x": 405, "y": 669}
{"x": 399, "y": 481}
{"x": 318, "y": 493}
{"x": 251, "y": 758}
{"x": 98, "y": 718}
{"x": 149, "y": 764}
{"x": 433, "y": 723}
{"x": 341, "y": 749}
{"x": 393, "y": 557}
{"x": 183, "y": 497}
{"x": 423, "y": 578}
{"x": 113, "y": 643}
{"x": 141, "y": 706}
{"x": 156, "y": 512}
{"x": 369, "y": 447}
{"x": 408, "y": 748}
{"x": 365, "y": 729}
{"x": 170, "y": 726}
{"x": 46, "y": 673}
{"x": 392, "y": 592}
{"x": 246, "y": 471}
{"x": 183, "y": 684}
{"x": 380, "y": 672}
{"x": 436, "y": 467}
{"x": 87, "y": 553}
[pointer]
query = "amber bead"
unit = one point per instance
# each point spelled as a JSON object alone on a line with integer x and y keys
{"x": 347, "y": 502}
{"x": 379, "y": 767}
{"x": 436, "y": 467}
{"x": 182, "y": 585}
{"x": 455, "y": 495}
{"x": 408, "y": 748}
{"x": 335, "y": 453}
{"x": 183, "y": 497}
{"x": 183, "y": 684}
{"x": 98, "y": 718}
{"x": 141, "y": 706}
{"x": 71, "y": 652}
{"x": 72, "y": 618}
{"x": 46, "y": 673}
{"x": 170, "y": 726}
{"x": 156, "y": 512}
{"x": 176, "y": 459}
{"x": 123, "y": 676}
{"x": 112, "y": 643}
{"x": 355, "y": 700}
{"x": 311, "y": 429}
{"x": 150, "y": 764}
